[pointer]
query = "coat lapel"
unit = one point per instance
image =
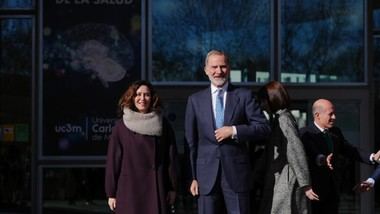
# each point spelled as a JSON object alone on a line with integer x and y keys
{"x": 206, "y": 108}
{"x": 231, "y": 102}
{"x": 320, "y": 140}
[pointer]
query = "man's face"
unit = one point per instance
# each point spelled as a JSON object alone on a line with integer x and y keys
{"x": 326, "y": 117}
{"x": 217, "y": 70}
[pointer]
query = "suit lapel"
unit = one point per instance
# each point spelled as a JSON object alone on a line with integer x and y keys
{"x": 320, "y": 140}
{"x": 231, "y": 102}
{"x": 206, "y": 108}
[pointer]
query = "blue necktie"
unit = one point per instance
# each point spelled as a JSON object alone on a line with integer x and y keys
{"x": 219, "y": 109}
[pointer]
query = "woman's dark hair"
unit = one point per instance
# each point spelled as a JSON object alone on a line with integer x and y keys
{"x": 263, "y": 99}
{"x": 273, "y": 96}
{"x": 127, "y": 99}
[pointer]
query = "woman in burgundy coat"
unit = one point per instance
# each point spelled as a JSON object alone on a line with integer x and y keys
{"x": 141, "y": 158}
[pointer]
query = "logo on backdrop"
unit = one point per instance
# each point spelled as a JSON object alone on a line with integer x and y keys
{"x": 91, "y": 52}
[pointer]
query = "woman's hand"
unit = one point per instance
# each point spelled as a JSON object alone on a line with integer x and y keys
{"x": 112, "y": 203}
{"x": 310, "y": 194}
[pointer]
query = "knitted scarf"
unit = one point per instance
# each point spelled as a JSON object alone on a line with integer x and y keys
{"x": 145, "y": 124}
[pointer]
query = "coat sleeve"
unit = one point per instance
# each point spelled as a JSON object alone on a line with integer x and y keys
{"x": 349, "y": 150}
{"x": 173, "y": 158}
{"x": 257, "y": 126}
{"x": 295, "y": 150}
{"x": 191, "y": 134}
{"x": 311, "y": 149}
{"x": 113, "y": 163}
{"x": 376, "y": 174}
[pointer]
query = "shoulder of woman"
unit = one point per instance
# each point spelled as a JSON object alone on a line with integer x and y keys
{"x": 284, "y": 116}
{"x": 118, "y": 122}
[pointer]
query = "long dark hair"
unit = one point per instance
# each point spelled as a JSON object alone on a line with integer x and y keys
{"x": 273, "y": 96}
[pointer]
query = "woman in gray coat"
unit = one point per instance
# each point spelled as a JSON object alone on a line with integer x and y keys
{"x": 287, "y": 181}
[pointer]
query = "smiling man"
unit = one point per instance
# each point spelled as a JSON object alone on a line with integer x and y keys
{"x": 219, "y": 121}
{"x": 324, "y": 143}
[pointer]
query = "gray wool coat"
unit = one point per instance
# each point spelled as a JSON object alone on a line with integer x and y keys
{"x": 287, "y": 169}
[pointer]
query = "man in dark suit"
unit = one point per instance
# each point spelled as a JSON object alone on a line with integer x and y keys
{"x": 324, "y": 143}
{"x": 219, "y": 121}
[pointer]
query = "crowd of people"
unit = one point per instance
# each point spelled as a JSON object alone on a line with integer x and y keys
{"x": 222, "y": 125}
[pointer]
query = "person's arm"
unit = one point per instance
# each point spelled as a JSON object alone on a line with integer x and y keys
{"x": 173, "y": 163}
{"x": 257, "y": 126}
{"x": 295, "y": 150}
{"x": 368, "y": 184}
{"x": 296, "y": 154}
{"x": 113, "y": 164}
{"x": 376, "y": 174}
{"x": 191, "y": 135}
{"x": 349, "y": 150}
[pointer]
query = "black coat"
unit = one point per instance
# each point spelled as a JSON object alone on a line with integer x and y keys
{"x": 325, "y": 182}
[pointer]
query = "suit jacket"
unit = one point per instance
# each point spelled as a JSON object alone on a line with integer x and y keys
{"x": 206, "y": 154}
{"x": 325, "y": 182}
{"x": 376, "y": 174}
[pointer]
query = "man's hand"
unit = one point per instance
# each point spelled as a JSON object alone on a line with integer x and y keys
{"x": 194, "y": 188}
{"x": 112, "y": 203}
{"x": 223, "y": 133}
{"x": 329, "y": 161}
{"x": 310, "y": 194}
{"x": 364, "y": 186}
{"x": 376, "y": 157}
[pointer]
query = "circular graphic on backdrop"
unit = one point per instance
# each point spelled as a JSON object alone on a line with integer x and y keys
{"x": 99, "y": 50}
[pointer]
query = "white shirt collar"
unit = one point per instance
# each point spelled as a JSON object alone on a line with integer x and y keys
{"x": 321, "y": 129}
{"x": 215, "y": 89}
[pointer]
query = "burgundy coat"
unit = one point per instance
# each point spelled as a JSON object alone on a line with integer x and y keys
{"x": 140, "y": 170}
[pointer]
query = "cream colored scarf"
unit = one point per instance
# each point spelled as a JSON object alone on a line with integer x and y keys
{"x": 145, "y": 124}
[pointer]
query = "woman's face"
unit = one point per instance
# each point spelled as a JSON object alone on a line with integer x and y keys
{"x": 143, "y": 99}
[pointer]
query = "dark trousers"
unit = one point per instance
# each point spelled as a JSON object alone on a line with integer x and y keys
{"x": 235, "y": 202}
{"x": 325, "y": 206}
